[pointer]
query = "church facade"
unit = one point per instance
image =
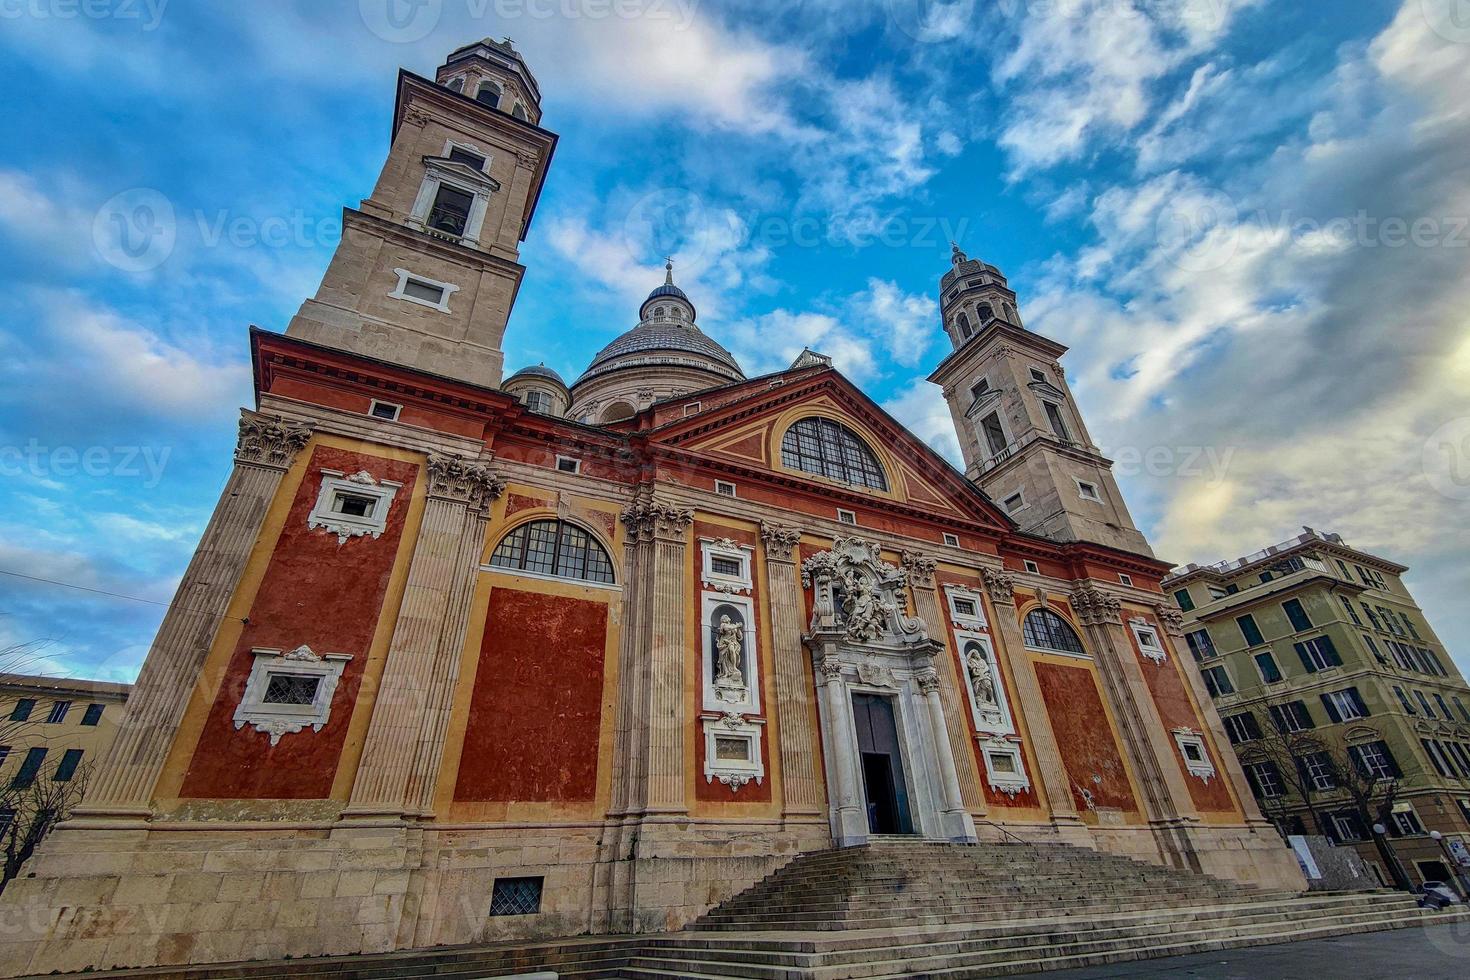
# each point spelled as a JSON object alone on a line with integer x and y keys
{"x": 463, "y": 657}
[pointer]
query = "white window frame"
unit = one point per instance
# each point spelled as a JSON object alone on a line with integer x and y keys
{"x": 1408, "y": 810}
{"x": 403, "y": 279}
{"x": 951, "y": 540}
{"x": 1124, "y": 579}
{"x": 848, "y": 517}
{"x": 693, "y": 408}
{"x": 726, "y": 489}
{"x": 480, "y": 187}
{"x": 360, "y": 484}
{"x": 1202, "y": 767}
{"x": 994, "y": 724}
{"x": 373, "y": 411}
{"x": 734, "y": 773}
{"x": 452, "y": 144}
{"x": 277, "y": 720}
{"x": 576, "y": 465}
{"x": 1377, "y": 765}
{"x": 1031, "y": 566}
{"x": 1347, "y": 707}
{"x": 1009, "y": 783}
{"x": 1322, "y": 780}
{"x": 1150, "y": 645}
{"x": 1261, "y": 770}
{"x": 974, "y": 621}
{"x": 712, "y": 548}
{"x": 1082, "y": 485}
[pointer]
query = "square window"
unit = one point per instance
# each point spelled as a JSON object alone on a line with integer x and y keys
{"x": 385, "y": 410}
{"x": 1032, "y": 567}
{"x": 953, "y": 540}
{"x": 724, "y": 488}
{"x": 1037, "y": 374}
{"x": 1125, "y": 579}
{"x": 1088, "y": 491}
{"x": 692, "y": 408}
{"x": 1014, "y": 503}
{"x": 965, "y": 607}
{"x": 566, "y": 464}
{"x": 846, "y": 516}
{"x": 516, "y": 896}
{"x": 1192, "y": 752}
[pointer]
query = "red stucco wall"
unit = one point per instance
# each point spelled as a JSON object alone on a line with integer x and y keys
{"x": 1084, "y": 736}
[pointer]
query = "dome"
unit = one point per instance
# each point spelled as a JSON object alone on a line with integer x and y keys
{"x": 668, "y": 291}
{"x": 538, "y": 371}
{"x": 654, "y": 343}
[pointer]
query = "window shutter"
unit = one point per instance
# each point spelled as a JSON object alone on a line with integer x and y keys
{"x": 1331, "y": 650}
{"x": 1255, "y": 784}
{"x": 1301, "y": 651}
{"x": 1358, "y": 702}
{"x": 1331, "y": 708}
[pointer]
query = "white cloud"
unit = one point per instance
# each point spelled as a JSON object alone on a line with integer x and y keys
{"x": 903, "y": 324}
{"x": 923, "y": 411}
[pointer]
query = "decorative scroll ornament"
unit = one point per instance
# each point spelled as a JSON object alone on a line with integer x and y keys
{"x": 649, "y": 519}
{"x": 458, "y": 479}
{"x": 859, "y": 594}
{"x": 270, "y": 440}
{"x": 875, "y": 675}
{"x": 780, "y": 541}
{"x": 1095, "y": 607}
{"x": 1171, "y": 618}
{"x": 1000, "y": 585}
{"x": 919, "y": 568}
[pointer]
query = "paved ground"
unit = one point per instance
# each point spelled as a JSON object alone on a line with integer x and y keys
{"x": 1421, "y": 954}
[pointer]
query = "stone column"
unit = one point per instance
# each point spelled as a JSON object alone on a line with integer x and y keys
{"x": 417, "y": 682}
{"x": 850, "y": 823}
{"x": 955, "y": 819}
{"x": 801, "y": 790}
{"x": 1052, "y": 774}
{"x": 920, "y": 570}
{"x": 125, "y": 780}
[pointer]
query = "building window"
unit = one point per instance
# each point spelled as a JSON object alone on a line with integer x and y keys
{"x": 995, "y": 433}
{"x": 1196, "y": 757}
{"x": 516, "y": 896}
{"x": 67, "y": 767}
{"x": 1088, "y": 491}
{"x": 963, "y": 322}
{"x": 1217, "y": 681}
{"x": 1404, "y": 700}
{"x": 1266, "y": 664}
{"x": 725, "y": 488}
{"x": 1298, "y": 615}
{"x": 1054, "y": 418}
{"x": 1460, "y": 706}
{"x": 289, "y": 692}
{"x": 352, "y": 506}
{"x": 1265, "y": 779}
{"x": 1031, "y": 566}
{"x": 1406, "y": 822}
{"x": 1014, "y": 502}
{"x": 1148, "y": 641}
{"x": 519, "y": 112}
{"x": 1038, "y": 375}
{"x": 385, "y": 410}
{"x": 1318, "y": 770}
{"x": 1291, "y": 717}
{"x": 488, "y": 94}
{"x": 1375, "y": 761}
{"x": 26, "y": 774}
{"x": 1318, "y": 653}
{"x": 474, "y": 161}
{"x": 1186, "y": 603}
{"x": 1217, "y": 592}
{"x": 1125, "y": 579}
{"x": 1250, "y": 630}
{"x": 537, "y": 401}
{"x": 57, "y": 715}
{"x": 1045, "y": 630}
{"x": 965, "y": 607}
{"x": 22, "y": 710}
{"x": 825, "y": 448}
{"x": 1352, "y": 613}
{"x": 846, "y": 517}
{"x": 423, "y": 291}
{"x": 1200, "y": 644}
{"x": 1344, "y": 705}
{"x": 726, "y": 565}
{"x": 1424, "y": 703}
{"x": 450, "y": 212}
{"x": 553, "y": 548}
{"x": 1441, "y": 764}
{"x": 1347, "y": 827}
{"x": 1242, "y": 728}
{"x": 566, "y": 464}
{"x": 1444, "y": 709}
{"x": 953, "y": 540}
{"x": 93, "y": 714}
{"x": 693, "y": 408}
{"x": 455, "y": 85}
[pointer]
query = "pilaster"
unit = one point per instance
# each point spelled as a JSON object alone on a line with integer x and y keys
{"x": 266, "y": 449}
{"x": 801, "y": 789}
{"x": 955, "y": 820}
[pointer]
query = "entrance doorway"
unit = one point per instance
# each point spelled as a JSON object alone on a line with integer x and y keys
{"x": 884, "y": 788}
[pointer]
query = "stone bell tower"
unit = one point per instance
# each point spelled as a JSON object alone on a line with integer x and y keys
{"x": 428, "y": 267}
{"x": 1020, "y": 430}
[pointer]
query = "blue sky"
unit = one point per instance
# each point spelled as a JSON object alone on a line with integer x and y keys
{"x": 1247, "y": 218}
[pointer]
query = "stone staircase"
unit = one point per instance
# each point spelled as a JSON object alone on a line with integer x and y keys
{"x": 904, "y": 909}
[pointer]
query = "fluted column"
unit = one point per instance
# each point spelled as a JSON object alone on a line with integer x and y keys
{"x": 801, "y": 790}
{"x": 1166, "y": 796}
{"x": 125, "y": 780}
{"x": 417, "y": 681}
{"x": 850, "y": 821}
{"x": 958, "y": 731}
{"x": 955, "y": 820}
{"x": 1051, "y": 771}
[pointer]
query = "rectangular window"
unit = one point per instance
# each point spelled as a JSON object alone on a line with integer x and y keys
{"x": 353, "y": 504}
{"x": 953, "y": 540}
{"x": 1014, "y": 503}
{"x": 1345, "y": 705}
{"x": 427, "y": 292}
{"x": 22, "y": 710}
{"x": 566, "y": 464}
{"x": 725, "y": 488}
{"x": 1200, "y": 644}
{"x": 1462, "y": 757}
{"x": 1444, "y": 709}
{"x": 1242, "y": 728}
{"x": 995, "y": 435}
{"x": 1374, "y": 760}
{"x": 1036, "y": 375}
{"x": 693, "y": 408}
{"x": 1318, "y": 653}
{"x": 1088, "y": 491}
{"x": 1265, "y": 779}
{"x": 472, "y": 160}
{"x": 1217, "y": 682}
{"x": 1409, "y": 625}
{"x": 1298, "y": 615}
{"x": 26, "y": 774}
{"x": 516, "y": 896}
{"x": 964, "y": 607}
{"x": 1407, "y": 823}
{"x": 846, "y": 516}
{"x": 1125, "y": 579}
{"x": 67, "y": 767}
{"x": 733, "y": 567}
{"x": 93, "y": 714}
{"x": 58, "y": 712}
{"x": 1054, "y": 417}
{"x": 1250, "y": 630}
{"x": 1185, "y": 602}
{"x": 1318, "y": 771}
{"x": 1347, "y": 827}
{"x": 385, "y": 410}
{"x": 1460, "y": 706}
{"x": 1431, "y": 750}
{"x": 1424, "y": 703}
{"x": 1031, "y": 567}
{"x": 1216, "y": 592}
{"x": 1372, "y": 617}
{"x": 1352, "y": 613}
{"x": 291, "y": 689}
{"x": 1404, "y": 700}
{"x": 1266, "y": 664}
{"x": 1291, "y": 717}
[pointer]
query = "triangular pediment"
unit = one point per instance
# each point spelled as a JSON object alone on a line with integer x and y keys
{"x": 1048, "y": 390}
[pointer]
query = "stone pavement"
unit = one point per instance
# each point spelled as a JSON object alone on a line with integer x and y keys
{"x": 1427, "y": 953}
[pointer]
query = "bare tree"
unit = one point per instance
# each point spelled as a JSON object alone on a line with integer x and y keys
{"x": 1370, "y": 792}
{"x": 1286, "y": 752}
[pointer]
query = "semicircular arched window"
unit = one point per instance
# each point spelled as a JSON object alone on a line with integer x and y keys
{"x": 1045, "y": 630}
{"x": 553, "y": 548}
{"x": 823, "y": 447}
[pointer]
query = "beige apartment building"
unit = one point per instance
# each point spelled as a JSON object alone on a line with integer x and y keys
{"x": 54, "y": 728}
{"x": 1313, "y": 641}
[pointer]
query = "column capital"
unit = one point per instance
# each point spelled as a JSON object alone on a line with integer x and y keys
{"x": 1000, "y": 584}
{"x": 781, "y": 541}
{"x": 1094, "y": 607}
{"x": 269, "y": 440}
{"x": 1171, "y": 618}
{"x": 920, "y": 568}
{"x": 928, "y": 681}
{"x": 831, "y": 669}
{"x": 464, "y": 481}
{"x": 650, "y": 519}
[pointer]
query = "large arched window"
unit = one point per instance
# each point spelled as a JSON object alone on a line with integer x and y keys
{"x": 821, "y": 446}
{"x": 964, "y": 325}
{"x": 1045, "y": 630}
{"x": 553, "y": 548}
{"x": 488, "y": 94}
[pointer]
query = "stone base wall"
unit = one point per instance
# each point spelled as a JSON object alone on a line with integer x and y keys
{"x": 1249, "y": 855}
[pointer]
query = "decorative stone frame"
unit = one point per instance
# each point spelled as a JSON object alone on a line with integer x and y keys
{"x": 275, "y": 719}
{"x": 453, "y": 144}
{"x": 1146, "y": 635}
{"x": 987, "y": 721}
{"x": 405, "y": 275}
{"x": 747, "y": 701}
{"x": 1011, "y": 779}
{"x": 975, "y": 621}
{"x": 734, "y": 772}
{"x": 1199, "y": 766}
{"x": 439, "y": 171}
{"x": 361, "y": 484}
{"x": 710, "y": 549}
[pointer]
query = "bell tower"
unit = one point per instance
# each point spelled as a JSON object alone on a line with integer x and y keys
{"x": 1022, "y": 436}
{"x": 428, "y": 266}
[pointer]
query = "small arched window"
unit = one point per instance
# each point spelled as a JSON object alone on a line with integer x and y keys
{"x": 823, "y": 447}
{"x": 489, "y": 94}
{"x": 964, "y": 325}
{"x": 553, "y": 548}
{"x": 1011, "y": 313}
{"x": 519, "y": 112}
{"x": 659, "y": 311}
{"x": 1045, "y": 630}
{"x": 456, "y": 85}
{"x": 986, "y": 313}
{"x": 618, "y": 411}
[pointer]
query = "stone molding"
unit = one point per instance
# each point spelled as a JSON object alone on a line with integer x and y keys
{"x": 1001, "y": 585}
{"x": 270, "y": 441}
{"x": 649, "y": 520}
{"x": 920, "y": 568}
{"x": 1171, "y": 618}
{"x": 1095, "y": 607}
{"x": 780, "y": 541}
{"x": 460, "y": 480}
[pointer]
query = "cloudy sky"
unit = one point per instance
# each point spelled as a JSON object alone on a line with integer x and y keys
{"x": 1248, "y": 219}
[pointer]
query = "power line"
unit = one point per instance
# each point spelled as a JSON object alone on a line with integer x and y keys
{"x": 82, "y": 588}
